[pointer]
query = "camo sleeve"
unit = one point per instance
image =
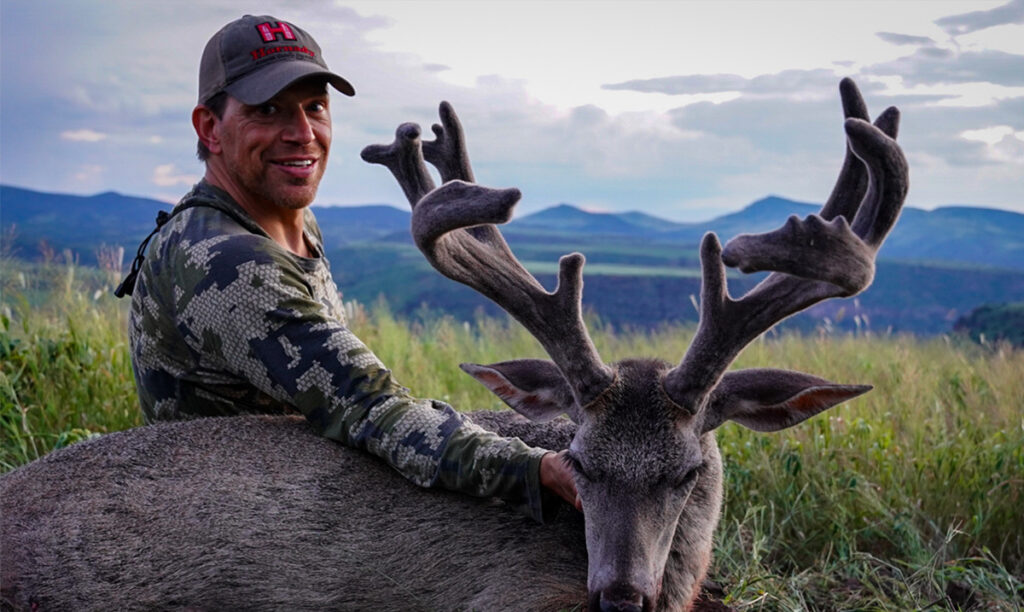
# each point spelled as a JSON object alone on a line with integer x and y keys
{"x": 254, "y": 317}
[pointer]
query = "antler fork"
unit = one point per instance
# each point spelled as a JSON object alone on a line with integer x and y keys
{"x": 827, "y": 255}
{"x": 454, "y": 226}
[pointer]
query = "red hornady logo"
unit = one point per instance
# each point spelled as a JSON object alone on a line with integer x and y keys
{"x": 270, "y": 33}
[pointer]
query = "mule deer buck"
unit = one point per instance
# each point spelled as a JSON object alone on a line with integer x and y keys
{"x": 261, "y": 513}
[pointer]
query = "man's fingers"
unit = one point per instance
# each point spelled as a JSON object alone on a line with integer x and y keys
{"x": 556, "y": 475}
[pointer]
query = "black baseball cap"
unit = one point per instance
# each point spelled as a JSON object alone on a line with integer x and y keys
{"x": 253, "y": 58}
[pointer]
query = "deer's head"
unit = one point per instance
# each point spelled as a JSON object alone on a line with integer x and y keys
{"x": 640, "y": 442}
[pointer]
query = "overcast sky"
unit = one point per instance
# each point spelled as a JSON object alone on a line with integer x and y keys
{"x": 684, "y": 110}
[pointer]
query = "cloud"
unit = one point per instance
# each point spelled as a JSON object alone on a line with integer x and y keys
{"x": 904, "y": 39}
{"x": 930, "y": 66}
{"x": 127, "y": 70}
{"x": 1004, "y": 143}
{"x": 85, "y": 135}
{"x": 965, "y": 23}
{"x": 990, "y": 135}
{"x": 771, "y": 129}
{"x": 1010, "y": 149}
{"x": 89, "y": 173}
{"x": 777, "y": 132}
{"x": 961, "y": 138}
{"x": 821, "y": 82}
{"x": 793, "y": 146}
{"x": 167, "y": 175}
{"x": 936, "y": 53}
{"x": 683, "y": 84}
{"x": 783, "y": 133}
{"x": 927, "y": 65}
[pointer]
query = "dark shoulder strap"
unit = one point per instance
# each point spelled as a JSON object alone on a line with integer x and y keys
{"x": 127, "y": 286}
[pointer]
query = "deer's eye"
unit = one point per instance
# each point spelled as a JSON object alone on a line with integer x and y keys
{"x": 687, "y": 479}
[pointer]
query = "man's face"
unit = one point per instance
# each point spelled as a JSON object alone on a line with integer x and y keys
{"x": 274, "y": 154}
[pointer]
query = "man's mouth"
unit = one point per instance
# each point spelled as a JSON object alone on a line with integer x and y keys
{"x": 300, "y": 168}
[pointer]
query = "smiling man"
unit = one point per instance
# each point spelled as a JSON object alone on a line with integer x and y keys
{"x": 234, "y": 310}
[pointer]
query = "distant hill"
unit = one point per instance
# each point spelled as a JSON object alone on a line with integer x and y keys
{"x": 641, "y": 270}
{"x": 763, "y": 215}
{"x": 956, "y": 234}
{"x": 959, "y": 234}
{"x": 994, "y": 322}
{"x": 79, "y": 223}
{"x": 345, "y": 224}
{"x": 83, "y": 223}
{"x": 567, "y": 219}
{"x": 905, "y": 298}
{"x": 648, "y": 222}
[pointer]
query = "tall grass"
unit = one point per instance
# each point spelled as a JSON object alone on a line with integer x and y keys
{"x": 886, "y": 502}
{"x": 908, "y": 497}
{"x": 65, "y": 372}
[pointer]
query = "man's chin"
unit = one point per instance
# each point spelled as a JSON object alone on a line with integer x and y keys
{"x": 295, "y": 197}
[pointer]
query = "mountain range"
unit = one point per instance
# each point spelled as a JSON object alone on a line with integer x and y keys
{"x": 979, "y": 236}
{"x": 935, "y": 265}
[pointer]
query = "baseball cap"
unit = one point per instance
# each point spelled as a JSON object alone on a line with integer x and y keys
{"x": 255, "y": 57}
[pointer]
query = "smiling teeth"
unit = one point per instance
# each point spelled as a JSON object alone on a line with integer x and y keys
{"x": 299, "y": 164}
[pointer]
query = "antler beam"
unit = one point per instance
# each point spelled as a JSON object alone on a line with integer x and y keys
{"x": 827, "y": 255}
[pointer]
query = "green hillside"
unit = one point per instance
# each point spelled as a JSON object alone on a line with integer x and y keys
{"x": 994, "y": 323}
{"x": 936, "y": 267}
{"x": 630, "y": 285}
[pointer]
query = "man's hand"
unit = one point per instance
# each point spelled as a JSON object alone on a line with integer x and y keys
{"x": 555, "y": 474}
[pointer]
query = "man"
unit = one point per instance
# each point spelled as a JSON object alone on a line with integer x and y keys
{"x": 235, "y": 310}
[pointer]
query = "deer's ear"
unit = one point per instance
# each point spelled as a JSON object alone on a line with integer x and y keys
{"x": 534, "y": 388}
{"x": 766, "y": 399}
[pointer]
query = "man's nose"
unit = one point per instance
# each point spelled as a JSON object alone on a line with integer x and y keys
{"x": 299, "y": 128}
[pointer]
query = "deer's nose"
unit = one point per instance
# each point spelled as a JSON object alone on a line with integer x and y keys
{"x": 621, "y": 598}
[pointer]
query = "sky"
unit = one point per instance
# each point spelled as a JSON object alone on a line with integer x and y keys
{"x": 685, "y": 110}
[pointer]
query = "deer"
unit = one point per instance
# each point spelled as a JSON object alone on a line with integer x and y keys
{"x": 259, "y": 512}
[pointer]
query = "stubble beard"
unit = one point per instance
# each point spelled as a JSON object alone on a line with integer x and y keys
{"x": 282, "y": 194}
{"x": 293, "y": 199}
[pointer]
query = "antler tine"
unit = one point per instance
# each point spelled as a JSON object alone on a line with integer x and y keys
{"x": 810, "y": 260}
{"x": 404, "y": 158}
{"x": 888, "y": 186}
{"x": 448, "y": 149}
{"x": 454, "y": 227}
{"x": 852, "y": 183}
{"x": 447, "y": 152}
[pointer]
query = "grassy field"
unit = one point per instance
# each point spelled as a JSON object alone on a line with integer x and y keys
{"x": 908, "y": 498}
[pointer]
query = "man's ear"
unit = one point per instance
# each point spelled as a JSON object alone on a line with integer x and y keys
{"x": 207, "y": 129}
{"x": 534, "y": 388}
{"x": 766, "y": 399}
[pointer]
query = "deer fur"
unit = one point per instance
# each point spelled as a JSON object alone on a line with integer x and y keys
{"x": 262, "y": 513}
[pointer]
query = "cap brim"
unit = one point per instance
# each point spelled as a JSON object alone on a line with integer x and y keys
{"x": 264, "y": 84}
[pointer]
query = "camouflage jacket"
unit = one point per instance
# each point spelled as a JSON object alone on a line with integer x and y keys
{"x": 225, "y": 321}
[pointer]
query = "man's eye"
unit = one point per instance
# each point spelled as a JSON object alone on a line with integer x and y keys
{"x": 267, "y": 109}
{"x": 318, "y": 107}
